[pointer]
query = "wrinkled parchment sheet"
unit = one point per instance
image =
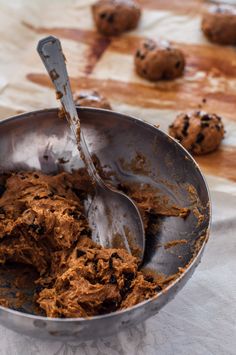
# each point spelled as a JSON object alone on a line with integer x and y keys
{"x": 202, "y": 317}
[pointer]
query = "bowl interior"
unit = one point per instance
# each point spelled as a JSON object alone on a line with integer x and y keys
{"x": 42, "y": 141}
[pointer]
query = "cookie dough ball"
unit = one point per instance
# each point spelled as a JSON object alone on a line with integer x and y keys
{"x": 199, "y": 132}
{"x": 91, "y": 99}
{"x": 219, "y": 24}
{"x": 158, "y": 61}
{"x": 112, "y": 17}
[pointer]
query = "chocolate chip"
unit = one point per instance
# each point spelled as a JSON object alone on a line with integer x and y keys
{"x": 37, "y": 229}
{"x": 185, "y": 128}
{"x": 129, "y": 276}
{"x": 45, "y": 157}
{"x": 200, "y": 138}
{"x": 127, "y": 285}
{"x": 186, "y": 118}
{"x": 37, "y": 197}
{"x": 137, "y": 53}
{"x": 113, "y": 279}
{"x": 80, "y": 253}
{"x": 178, "y": 137}
{"x": 75, "y": 214}
{"x": 123, "y": 188}
{"x": 33, "y": 226}
{"x": 218, "y": 127}
{"x": 204, "y": 100}
{"x": 77, "y": 192}
{"x": 40, "y": 230}
{"x": 102, "y": 15}
{"x": 51, "y": 194}
{"x": 218, "y": 118}
{"x": 39, "y": 288}
{"x": 110, "y": 18}
{"x": 204, "y": 124}
{"x": 115, "y": 255}
{"x": 177, "y": 64}
{"x": 40, "y": 197}
{"x": 58, "y": 304}
{"x": 171, "y": 125}
{"x": 66, "y": 285}
{"x": 149, "y": 278}
{"x": 110, "y": 264}
{"x": 158, "y": 288}
{"x": 110, "y": 305}
{"x": 193, "y": 146}
{"x": 166, "y": 75}
{"x": 2, "y": 210}
{"x": 206, "y": 117}
{"x": 95, "y": 265}
{"x": 36, "y": 176}
{"x": 2, "y": 190}
{"x": 142, "y": 56}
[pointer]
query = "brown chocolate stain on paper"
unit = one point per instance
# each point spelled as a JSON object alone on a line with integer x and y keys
{"x": 97, "y": 43}
{"x": 95, "y": 52}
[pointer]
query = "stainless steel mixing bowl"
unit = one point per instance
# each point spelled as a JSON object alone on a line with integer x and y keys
{"x": 39, "y": 140}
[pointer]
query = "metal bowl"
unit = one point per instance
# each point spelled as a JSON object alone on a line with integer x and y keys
{"x": 39, "y": 140}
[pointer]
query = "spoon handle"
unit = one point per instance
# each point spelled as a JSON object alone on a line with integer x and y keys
{"x": 50, "y": 52}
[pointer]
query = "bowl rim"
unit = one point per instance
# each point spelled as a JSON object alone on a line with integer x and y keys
{"x": 191, "y": 263}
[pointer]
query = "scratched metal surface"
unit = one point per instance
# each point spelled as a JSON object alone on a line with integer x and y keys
{"x": 201, "y": 320}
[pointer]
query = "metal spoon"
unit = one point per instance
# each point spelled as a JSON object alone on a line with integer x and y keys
{"x": 114, "y": 218}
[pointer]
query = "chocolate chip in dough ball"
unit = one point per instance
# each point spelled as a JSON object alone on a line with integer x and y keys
{"x": 112, "y": 17}
{"x": 199, "y": 132}
{"x": 158, "y": 60}
{"x": 219, "y": 24}
{"x": 91, "y": 99}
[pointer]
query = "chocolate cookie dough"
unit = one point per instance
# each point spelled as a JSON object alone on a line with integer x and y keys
{"x": 219, "y": 24}
{"x": 90, "y": 280}
{"x": 43, "y": 225}
{"x": 199, "y": 132}
{"x": 158, "y": 60}
{"x": 112, "y": 17}
{"x": 91, "y": 99}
